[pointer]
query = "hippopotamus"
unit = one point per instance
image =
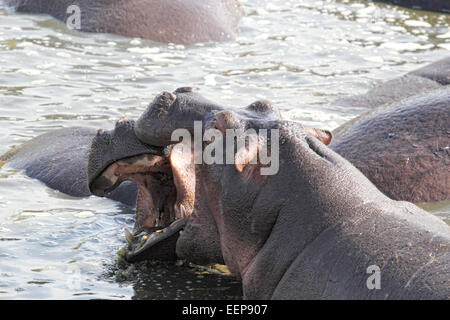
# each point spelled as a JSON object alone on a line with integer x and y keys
{"x": 430, "y": 5}
{"x": 314, "y": 229}
{"x": 59, "y": 159}
{"x": 402, "y": 143}
{"x": 106, "y": 173}
{"x": 177, "y": 21}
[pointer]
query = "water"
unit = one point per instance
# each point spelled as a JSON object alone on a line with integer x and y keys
{"x": 301, "y": 55}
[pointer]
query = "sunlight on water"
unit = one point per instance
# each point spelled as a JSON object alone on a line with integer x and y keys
{"x": 301, "y": 55}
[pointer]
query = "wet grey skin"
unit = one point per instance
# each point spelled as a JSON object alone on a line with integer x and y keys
{"x": 59, "y": 159}
{"x": 430, "y": 5}
{"x": 402, "y": 143}
{"x": 179, "y": 22}
{"x": 312, "y": 230}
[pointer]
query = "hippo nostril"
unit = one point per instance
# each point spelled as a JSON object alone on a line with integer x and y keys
{"x": 165, "y": 100}
{"x": 169, "y": 96}
{"x": 124, "y": 123}
{"x": 261, "y": 106}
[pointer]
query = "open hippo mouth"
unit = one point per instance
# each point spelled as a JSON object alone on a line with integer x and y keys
{"x": 165, "y": 194}
{"x": 156, "y": 215}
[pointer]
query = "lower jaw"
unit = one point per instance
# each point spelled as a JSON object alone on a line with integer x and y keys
{"x": 159, "y": 245}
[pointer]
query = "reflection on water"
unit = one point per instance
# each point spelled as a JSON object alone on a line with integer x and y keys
{"x": 299, "y": 54}
{"x": 158, "y": 280}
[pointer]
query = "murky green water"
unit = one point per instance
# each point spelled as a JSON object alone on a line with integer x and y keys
{"x": 299, "y": 54}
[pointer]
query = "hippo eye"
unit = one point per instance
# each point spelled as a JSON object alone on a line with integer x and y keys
{"x": 261, "y": 106}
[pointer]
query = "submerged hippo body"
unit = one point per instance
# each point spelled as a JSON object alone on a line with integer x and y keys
{"x": 59, "y": 159}
{"x": 310, "y": 231}
{"x": 430, "y": 5}
{"x": 402, "y": 144}
{"x": 178, "y": 21}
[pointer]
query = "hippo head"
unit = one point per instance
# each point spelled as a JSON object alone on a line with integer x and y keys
{"x": 117, "y": 156}
{"x": 171, "y": 166}
{"x": 166, "y": 187}
{"x": 223, "y": 191}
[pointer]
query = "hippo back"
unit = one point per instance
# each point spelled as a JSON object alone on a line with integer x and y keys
{"x": 410, "y": 157}
{"x": 180, "y": 22}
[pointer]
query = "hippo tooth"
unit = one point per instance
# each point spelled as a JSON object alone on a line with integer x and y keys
{"x": 128, "y": 235}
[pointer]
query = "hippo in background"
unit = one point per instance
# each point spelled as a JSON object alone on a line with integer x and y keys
{"x": 402, "y": 143}
{"x": 310, "y": 231}
{"x": 430, "y": 5}
{"x": 59, "y": 159}
{"x": 403, "y": 148}
{"x": 430, "y": 77}
{"x": 175, "y": 21}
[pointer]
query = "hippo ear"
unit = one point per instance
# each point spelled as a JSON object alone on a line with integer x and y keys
{"x": 324, "y": 136}
{"x": 247, "y": 154}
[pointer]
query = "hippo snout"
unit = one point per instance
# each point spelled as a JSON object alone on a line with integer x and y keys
{"x": 164, "y": 100}
{"x": 109, "y": 146}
